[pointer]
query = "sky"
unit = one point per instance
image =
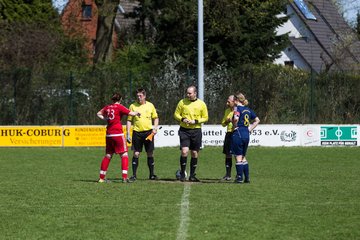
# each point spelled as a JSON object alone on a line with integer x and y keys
{"x": 351, "y": 7}
{"x": 59, "y": 4}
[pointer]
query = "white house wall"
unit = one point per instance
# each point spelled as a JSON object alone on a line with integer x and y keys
{"x": 296, "y": 28}
{"x": 291, "y": 54}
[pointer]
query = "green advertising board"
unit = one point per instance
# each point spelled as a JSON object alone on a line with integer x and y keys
{"x": 338, "y": 135}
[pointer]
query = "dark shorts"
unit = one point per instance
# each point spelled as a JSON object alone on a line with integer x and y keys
{"x": 227, "y": 143}
{"x": 138, "y": 141}
{"x": 191, "y": 138}
{"x": 239, "y": 145}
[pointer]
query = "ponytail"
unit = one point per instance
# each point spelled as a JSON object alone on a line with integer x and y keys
{"x": 242, "y": 99}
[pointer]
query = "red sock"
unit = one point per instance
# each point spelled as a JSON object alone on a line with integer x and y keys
{"x": 125, "y": 166}
{"x": 104, "y": 166}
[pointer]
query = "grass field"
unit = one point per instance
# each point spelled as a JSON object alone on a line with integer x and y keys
{"x": 295, "y": 193}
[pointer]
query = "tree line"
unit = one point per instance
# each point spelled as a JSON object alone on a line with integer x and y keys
{"x": 47, "y": 78}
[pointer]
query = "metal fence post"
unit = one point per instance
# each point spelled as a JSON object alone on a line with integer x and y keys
{"x": 71, "y": 105}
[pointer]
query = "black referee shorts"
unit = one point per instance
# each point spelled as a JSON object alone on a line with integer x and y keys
{"x": 138, "y": 141}
{"x": 191, "y": 138}
{"x": 227, "y": 143}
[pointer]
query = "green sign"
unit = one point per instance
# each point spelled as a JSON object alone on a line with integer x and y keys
{"x": 338, "y": 135}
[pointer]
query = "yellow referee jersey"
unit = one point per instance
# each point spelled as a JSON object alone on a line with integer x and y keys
{"x": 148, "y": 114}
{"x": 192, "y": 110}
{"x": 229, "y": 113}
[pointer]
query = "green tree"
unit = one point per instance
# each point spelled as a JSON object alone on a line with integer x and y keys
{"x": 31, "y": 36}
{"x": 243, "y": 31}
{"x": 26, "y": 44}
{"x": 169, "y": 26}
{"x": 35, "y": 61}
{"x": 29, "y": 32}
{"x": 28, "y": 11}
{"x": 29, "y": 29}
{"x": 235, "y": 31}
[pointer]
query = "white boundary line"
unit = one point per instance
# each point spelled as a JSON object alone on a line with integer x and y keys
{"x": 184, "y": 213}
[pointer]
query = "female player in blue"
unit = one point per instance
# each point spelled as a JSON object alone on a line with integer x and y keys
{"x": 244, "y": 121}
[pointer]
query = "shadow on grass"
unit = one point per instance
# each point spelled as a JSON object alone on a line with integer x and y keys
{"x": 203, "y": 180}
{"x": 109, "y": 180}
{"x": 160, "y": 180}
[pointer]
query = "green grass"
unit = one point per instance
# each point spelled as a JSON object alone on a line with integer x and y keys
{"x": 295, "y": 193}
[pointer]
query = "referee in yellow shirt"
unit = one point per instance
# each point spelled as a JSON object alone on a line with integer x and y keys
{"x": 143, "y": 126}
{"x": 227, "y": 122}
{"x": 191, "y": 112}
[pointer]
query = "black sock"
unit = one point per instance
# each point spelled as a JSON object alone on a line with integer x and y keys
{"x": 193, "y": 165}
{"x": 135, "y": 163}
{"x": 183, "y": 161}
{"x": 228, "y": 163}
{"x": 151, "y": 163}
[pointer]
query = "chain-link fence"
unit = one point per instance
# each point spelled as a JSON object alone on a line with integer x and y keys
{"x": 277, "y": 94}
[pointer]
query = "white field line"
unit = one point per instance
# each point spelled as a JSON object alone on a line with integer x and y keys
{"x": 184, "y": 213}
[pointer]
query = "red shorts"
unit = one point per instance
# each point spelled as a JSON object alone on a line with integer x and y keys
{"x": 116, "y": 145}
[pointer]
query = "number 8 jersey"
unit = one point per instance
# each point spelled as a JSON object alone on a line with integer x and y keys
{"x": 246, "y": 116}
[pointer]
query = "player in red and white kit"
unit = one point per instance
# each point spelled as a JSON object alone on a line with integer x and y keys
{"x": 115, "y": 139}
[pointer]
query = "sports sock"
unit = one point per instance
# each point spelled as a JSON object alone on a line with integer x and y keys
{"x": 193, "y": 165}
{"x": 125, "y": 166}
{"x": 246, "y": 171}
{"x": 183, "y": 161}
{"x": 104, "y": 166}
{"x": 239, "y": 170}
{"x": 151, "y": 163}
{"x": 135, "y": 164}
{"x": 228, "y": 163}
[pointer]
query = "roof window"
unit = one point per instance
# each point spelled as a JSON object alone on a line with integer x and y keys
{"x": 304, "y": 9}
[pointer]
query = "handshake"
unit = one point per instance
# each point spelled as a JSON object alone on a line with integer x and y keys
{"x": 188, "y": 121}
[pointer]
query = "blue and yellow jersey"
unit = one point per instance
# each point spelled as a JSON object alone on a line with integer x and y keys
{"x": 246, "y": 116}
{"x": 229, "y": 113}
{"x": 145, "y": 121}
{"x": 192, "y": 110}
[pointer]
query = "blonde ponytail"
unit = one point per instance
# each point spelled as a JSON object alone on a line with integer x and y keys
{"x": 242, "y": 99}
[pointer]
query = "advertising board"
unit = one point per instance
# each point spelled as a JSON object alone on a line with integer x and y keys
{"x": 268, "y": 135}
{"x": 31, "y": 136}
